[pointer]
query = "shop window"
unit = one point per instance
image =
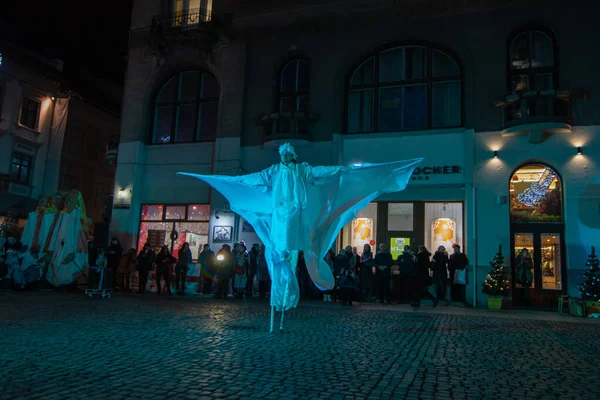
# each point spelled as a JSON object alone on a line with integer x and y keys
{"x": 400, "y": 217}
{"x": 173, "y": 225}
{"x": 362, "y": 229}
{"x": 405, "y": 88}
{"x": 535, "y": 194}
{"x": 186, "y": 109}
{"x": 443, "y": 225}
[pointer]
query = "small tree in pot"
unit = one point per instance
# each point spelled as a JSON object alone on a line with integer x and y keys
{"x": 496, "y": 282}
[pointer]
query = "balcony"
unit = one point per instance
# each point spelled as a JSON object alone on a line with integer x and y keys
{"x": 7, "y": 187}
{"x": 538, "y": 114}
{"x": 193, "y": 25}
{"x": 286, "y": 127}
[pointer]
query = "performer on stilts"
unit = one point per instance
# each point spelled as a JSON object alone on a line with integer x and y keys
{"x": 295, "y": 207}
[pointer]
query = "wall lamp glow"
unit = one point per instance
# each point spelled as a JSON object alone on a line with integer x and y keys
{"x": 52, "y": 98}
{"x": 495, "y": 153}
{"x": 122, "y": 192}
{"x": 579, "y": 151}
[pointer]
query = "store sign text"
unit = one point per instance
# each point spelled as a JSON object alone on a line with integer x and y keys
{"x": 423, "y": 174}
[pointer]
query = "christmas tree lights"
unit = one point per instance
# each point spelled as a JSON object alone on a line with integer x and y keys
{"x": 496, "y": 282}
{"x": 590, "y": 288}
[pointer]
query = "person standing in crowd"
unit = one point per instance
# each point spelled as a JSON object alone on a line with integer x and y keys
{"x": 113, "y": 257}
{"x": 163, "y": 260}
{"x": 252, "y": 271}
{"x": 440, "y": 274}
{"x": 146, "y": 260}
{"x": 242, "y": 267}
{"x": 350, "y": 287}
{"x": 406, "y": 263}
{"x": 181, "y": 268}
{"x": 458, "y": 261}
{"x": 206, "y": 259}
{"x": 341, "y": 263}
{"x": 225, "y": 263}
{"x": 262, "y": 271}
{"x": 127, "y": 266}
{"x": 366, "y": 270}
{"x": 383, "y": 262}
{"x": 421, "y": 278}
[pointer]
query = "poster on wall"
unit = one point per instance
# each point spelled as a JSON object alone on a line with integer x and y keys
{"x": 362, "y": 232}
{"x": 443, "y": 233}
{"x": 397, "y": 246}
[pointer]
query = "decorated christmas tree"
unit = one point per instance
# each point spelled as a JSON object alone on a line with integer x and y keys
{"x": 496, "y": 282}
{"x": 590, "y": 288}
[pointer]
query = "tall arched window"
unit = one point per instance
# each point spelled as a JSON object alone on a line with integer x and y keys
{"x": 532, "y": 64}
{"x": 293, "y": 92}
{"x": 405, "y": 88}
{"x": 186, "y": 109}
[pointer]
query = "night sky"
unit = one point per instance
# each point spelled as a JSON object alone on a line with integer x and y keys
{"x": 91, "y": 34}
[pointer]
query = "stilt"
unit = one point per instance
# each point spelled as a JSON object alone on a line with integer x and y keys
{"x": 272, "y": 318}
{"x": 285, "y": 294}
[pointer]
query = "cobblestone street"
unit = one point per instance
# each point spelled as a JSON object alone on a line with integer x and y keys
{"x": 59, "y": 346}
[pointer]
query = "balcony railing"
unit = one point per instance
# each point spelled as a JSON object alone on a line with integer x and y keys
{"x": 534, "y": 107}
{"x": 186, "y": 19}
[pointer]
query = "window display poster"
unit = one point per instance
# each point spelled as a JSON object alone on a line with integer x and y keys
{"x": 362, "y": 232}
{"x": 443, "y": 233}
{"x": 397, "y": 246}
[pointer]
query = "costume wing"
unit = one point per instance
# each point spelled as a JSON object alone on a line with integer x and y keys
{"x": 334, "y": 200}
{"x": 246, "y": 197}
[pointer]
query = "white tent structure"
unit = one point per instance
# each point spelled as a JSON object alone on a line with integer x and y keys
{"x": 58, "y": 229}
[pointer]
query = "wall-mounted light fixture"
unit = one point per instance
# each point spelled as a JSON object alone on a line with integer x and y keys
{"x": 123, "y": 192}
{"x": 52, "y": 98}
{"x": 495, "y": 153}
{"x": 579, "y": 151}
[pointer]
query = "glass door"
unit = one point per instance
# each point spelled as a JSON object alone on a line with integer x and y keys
{"x": 538, "y": 266}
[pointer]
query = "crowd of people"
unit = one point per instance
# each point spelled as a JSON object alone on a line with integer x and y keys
{"x": 243, "y": 273}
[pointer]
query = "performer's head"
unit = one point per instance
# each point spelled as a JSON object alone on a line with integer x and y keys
{"x": 287, "y": 153}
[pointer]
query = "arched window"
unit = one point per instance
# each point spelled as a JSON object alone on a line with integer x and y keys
{"x": 537, "y": 235}
{"x": 532, "y": 64}
{"x": 293, "y": 92}
{"x": 186, "y": 109}
{"x": 535, "y": 194}
{"x": 405, "y": 88}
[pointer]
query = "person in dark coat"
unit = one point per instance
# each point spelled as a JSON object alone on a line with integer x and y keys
{"x": 252, "y": 270}
{"x": 113, "y": 258}
{"x": 350, "y": 287}
{"x": 225, "y": 263}
{"x": 457, "y": 261}
{"x": 383, "y": 263}
{"x": 421, "y": 278}
{"x": 406, "y": 263}
{"x": 341, "y": 263}
{"x": 146, "y": 260}
{"x": 163, "y": 260}
{"x": 366, "y": 270}
{"x": 208, "y": 272}
{"x": 440, "y": 274}
{"x": 181, "y": 268}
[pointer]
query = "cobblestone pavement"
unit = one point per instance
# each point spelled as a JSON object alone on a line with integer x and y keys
{"x": 65, "y": 346}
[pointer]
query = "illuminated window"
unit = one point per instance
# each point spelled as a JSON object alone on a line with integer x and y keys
{"x": 20, "y": 169}
{"x": 405, "y": 88}
{"x": 190, "y": 12}
{"x": 186, "y": 109}
{"x": 535, "y": 194}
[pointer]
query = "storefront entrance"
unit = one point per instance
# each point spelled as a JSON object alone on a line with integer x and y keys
{"x": 537, "y": 237}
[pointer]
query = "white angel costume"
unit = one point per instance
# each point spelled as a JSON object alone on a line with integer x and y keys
{"x": 297, "y": 207}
